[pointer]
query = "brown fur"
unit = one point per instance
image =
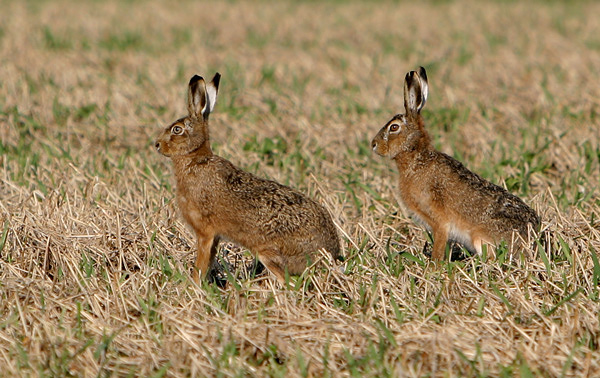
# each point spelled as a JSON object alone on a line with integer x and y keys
{"x": 452, "y": 201}
{"x": 277, "y": 223}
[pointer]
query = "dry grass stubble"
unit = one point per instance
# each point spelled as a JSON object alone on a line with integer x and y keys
{"x": 95, "y": 258}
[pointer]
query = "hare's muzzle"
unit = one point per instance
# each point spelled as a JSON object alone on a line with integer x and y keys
{"x": 159, "y": 148}
{"x": 379, "y": 143}
{"x": 376, "y": 147}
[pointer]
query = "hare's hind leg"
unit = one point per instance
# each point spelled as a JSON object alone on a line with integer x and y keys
{"x": 477, "y": 244}
{"x": 271, "y": 259}
{"x": 207, "y": 250}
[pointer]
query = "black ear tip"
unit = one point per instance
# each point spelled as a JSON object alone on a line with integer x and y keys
{"x": 422, "y": 73}
{"x": 410, "y": 77}
{"x": 195, "y": 79}
{"x": 216, "y": 79}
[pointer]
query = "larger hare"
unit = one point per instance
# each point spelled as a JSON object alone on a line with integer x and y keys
{"x": 280, "y": 225}
{"x": 454, "y": 203}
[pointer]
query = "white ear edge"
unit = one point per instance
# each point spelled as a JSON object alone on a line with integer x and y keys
{"x": 424, "y": 93}
{"x": 211, "y": 98}
{"x": 422, "y": 75}
{"x": 211, "y": 90}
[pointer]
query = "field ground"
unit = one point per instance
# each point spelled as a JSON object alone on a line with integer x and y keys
{"x": 95, "y": 259}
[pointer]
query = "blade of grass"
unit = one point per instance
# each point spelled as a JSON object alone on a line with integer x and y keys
{"x": 563, "y": 301}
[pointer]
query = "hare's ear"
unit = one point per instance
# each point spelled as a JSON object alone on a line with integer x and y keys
{"x": 416, "y": 90}
{"x": 212, "y": 89}
{"x": 197, "y": 99}
{"x": 424, "y": 84}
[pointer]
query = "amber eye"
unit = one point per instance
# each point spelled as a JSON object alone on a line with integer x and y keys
{"x": 394, "y": 127}
{"x": 177, "y": 130}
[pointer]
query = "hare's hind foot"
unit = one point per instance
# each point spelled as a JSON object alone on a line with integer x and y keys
{"x": 278, "y": 263}
{"x": 456, "y": 249}
{"x": 270, "y": 257}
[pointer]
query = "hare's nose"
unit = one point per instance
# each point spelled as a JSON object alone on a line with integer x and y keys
{"x": 157, "y": 145}
{"x": 374, "y": 145}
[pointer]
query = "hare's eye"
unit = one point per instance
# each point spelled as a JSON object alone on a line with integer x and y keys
{"x": 177, "y": 130}
{"x": 394, "y": 127}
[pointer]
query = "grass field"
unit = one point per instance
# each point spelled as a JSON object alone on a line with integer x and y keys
{"x": 95, "y": 260}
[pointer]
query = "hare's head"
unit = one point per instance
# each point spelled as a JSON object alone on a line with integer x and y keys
{"x": 190, "y": 133}
{"x": 405, "y": 132}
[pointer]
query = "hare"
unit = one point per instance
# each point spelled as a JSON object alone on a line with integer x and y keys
{"x": 453, "y": 202}
{"x": 218, "y": 200}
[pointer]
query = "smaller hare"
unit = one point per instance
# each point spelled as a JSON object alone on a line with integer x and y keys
{"x": 454, "y": 203}
{"x": 277, "y": 223}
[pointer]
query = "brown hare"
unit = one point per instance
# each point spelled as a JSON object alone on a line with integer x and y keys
{"x": 453, "y": 202}
{"x": 277, "y": 223}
